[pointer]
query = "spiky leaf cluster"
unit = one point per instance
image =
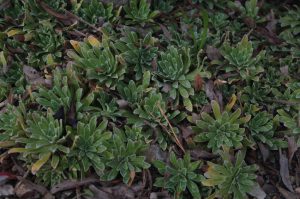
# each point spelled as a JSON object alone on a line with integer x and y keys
{"x": 100, "y": 63}
{"x": 292, "y": 30}
{"x": 94, "y": 10}
{"x": 180, "y": 176}
{"x": 89, "y": 145}
{"x": 138, "y": 53}
{"x": 139, "y": 11}
{"x": 65, "y": 94}
{"x": 232, "y": 180}
{"x": 240, "y": 57}
{"x": 262, "y": 129}
{"x": 172, "y": 75}
{"x": 126, "y": 154}
{"x": 224, "y": 129}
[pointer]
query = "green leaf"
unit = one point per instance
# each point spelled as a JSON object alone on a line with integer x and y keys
{"x": 188, "y": 104}
{"x": 216, "y": 109}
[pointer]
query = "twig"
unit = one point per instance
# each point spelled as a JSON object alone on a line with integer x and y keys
{"x": 154, "y": 130}
{"x": 71, "y": 184}
{"x": 82, "y": 21}
{"x": 174, "y": 134}
{"x": 42, "y": 190}
{"x": 290, "y": 103}
{"x": 78, "y": 193}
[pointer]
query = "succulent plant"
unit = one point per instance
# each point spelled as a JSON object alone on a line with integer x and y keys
{"x": 250, "y": 9}
{"x": 290, "y": 121}
{"x": 262, "y": 129}
{"x": 132, "y": 92}
{"x": 173, "y": 75}
{"x": 88, "y": 146}
{"x": 47, "y": 43}
{"x": 44, "y": 138}
{"x": 139, "y": 11}
{"x": 241, "y": 58}
{"x": 291, "y": 33}
{"x": 126, "y": 155}
{"x": 295, "y": 91}
{"x": 232, "y": 180}
{"x": 99, "y": 62}
{"x": 64, "y": 93}
{"x": 164, "y": 6}
{"x": 12, "y": 123}
{"x": 107, "y": 107}
{"x": 138, "y": 53}
{"x": 92, "y": 11}
{"x": 14, "y": 9}
{"x": 153, "y": 110}
{"x": 222, "y": 130}
{"x": 256, "y": 92}
{"x": 55, "y": 172}
{"x": 179, "y": 176}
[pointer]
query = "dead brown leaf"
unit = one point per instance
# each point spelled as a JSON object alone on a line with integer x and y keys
{"x": 213, "y": 53}
{"x": 284, "y": 171}
{"x": 155, "y": 153}
{"x": 65, "y": 18}
{"x": 284, "y": 70}
{"x": 265, "y": 152}
{"x": 33, "y": 77}
{"x": 292, "y": 147}
{"x": 6, "y": 190}
{"x": 160, "y": 195}
{"x": 118, "y": 191}
{"x": 288, "y": 195}
{"x": 71, "y": 184}
{"x": 198, "y": 82}
{"x": 166, "y": 31}
{"x": 209, "y": 90}
{"x": 271, "y": 25}
{"x": 202, "y": 154}
{"x": 257, "y": 192}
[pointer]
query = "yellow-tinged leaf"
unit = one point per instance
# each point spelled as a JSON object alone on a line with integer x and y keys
{"x": 209, "y": 182}
{"x": 132, "y": 176}
{"x": 3, "y": 60}
{"x": 246, "y": 119}
{"x": 75, "y": 45}
{"x": 13, "y": 32}
{"x": 28, "y": 36}
{"x": 6, "y": 144}
{"x": 231, "y": 102}
{"x": 50, "y": 60}
{"x": 94, "y": 41}
{"x": 119, "y": 11}
{"x": 17, "y": 150}
{"x": 38, "y": 164}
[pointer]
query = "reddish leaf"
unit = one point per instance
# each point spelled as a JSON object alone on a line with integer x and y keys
{"x": 198, "y": 82}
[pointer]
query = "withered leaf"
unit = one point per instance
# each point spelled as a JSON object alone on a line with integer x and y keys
{"x": 292, "y": 147}
{"x": 284, "y": 171}
{"x": 213, "y": 53}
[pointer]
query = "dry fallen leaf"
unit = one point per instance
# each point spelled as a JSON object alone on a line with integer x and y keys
{"x": 284, "y": 171}
{"x": 6, "y": 190}
{"x": 292, "y": 147}
{"x": 265, "y": 152}
{"x": 213, "y": 53}
{"x": 258, "y": 192}
{"x": 33, "y": 77}
{"x": 288, "y": 195}
{"x": 202, "y": 154}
